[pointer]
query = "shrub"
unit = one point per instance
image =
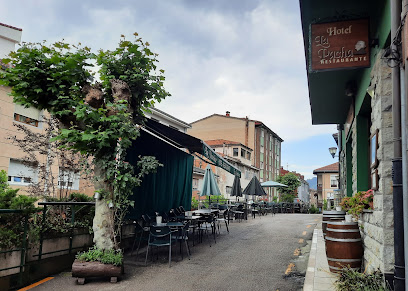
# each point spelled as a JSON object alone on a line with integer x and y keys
{"x": 114, "y": 257}
{"x": 352, "y": 280}
{"x": 12, "y": 224}
{"x": 313, "y": 209}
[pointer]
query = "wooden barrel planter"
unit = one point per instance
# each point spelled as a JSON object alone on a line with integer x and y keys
{"x": 83, "y": 270}
{"x": 331, "y": 215}
{"x": 343, "y": 246}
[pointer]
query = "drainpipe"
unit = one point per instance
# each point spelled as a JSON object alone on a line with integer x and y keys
{"x": 404, "y": 101}
{"x": 404, "y": 145}
{"x": 399, "y": 267}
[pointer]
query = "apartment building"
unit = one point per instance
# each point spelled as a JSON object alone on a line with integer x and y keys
{"x": 254, "y": 135}
{"x": 21, "y": 174}
{"x": 327, "y": 182}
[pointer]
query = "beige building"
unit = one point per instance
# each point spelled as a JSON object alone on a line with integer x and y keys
{"x": 261, "y": 147}
{"x": 12, "y": 159}
{"x": 239, "y": 156}
{"x": 327, "y": 182}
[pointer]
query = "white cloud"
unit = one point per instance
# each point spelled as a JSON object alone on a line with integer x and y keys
{"x": 246, "y": 57}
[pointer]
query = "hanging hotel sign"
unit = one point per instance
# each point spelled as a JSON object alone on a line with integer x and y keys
{"x": 339, "y": 45}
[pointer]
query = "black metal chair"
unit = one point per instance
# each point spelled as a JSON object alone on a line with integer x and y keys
{"x": 222, "y": 217}
{"x": 160, "y": 236}
{"x": 182, "y": 236}
{"x": 207, "y": 224}
{"x": 139, "y": 233}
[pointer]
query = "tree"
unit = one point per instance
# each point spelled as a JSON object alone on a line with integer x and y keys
{"x": 288, "y": 193}
{"x": 99, "y": 120}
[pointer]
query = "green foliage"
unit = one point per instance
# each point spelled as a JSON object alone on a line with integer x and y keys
{"x": 352, "y": 280}
{"x": 291, "y": 180}
{"x": 287, "y": 197}
{"x": 114, "y": 257}
{"x": 12, "y": 224}
{"x": 313, "y": 209}
{"x": 57, "y": 78}
{"x": 275, "y": 199}
{"x": 356, "y": 204}
{"x": 194, "y": 203}
{"x": 205, "y": 200}
{"x": 80, "y": 197}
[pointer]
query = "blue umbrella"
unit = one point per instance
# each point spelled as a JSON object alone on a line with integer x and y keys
{"x": 272, "y": 184}
{"x": 210, "y": 186}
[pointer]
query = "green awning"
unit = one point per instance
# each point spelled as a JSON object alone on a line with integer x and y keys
{"x": 193, "y": 144}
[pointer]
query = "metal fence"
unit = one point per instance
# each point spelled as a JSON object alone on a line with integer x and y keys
{"x": 24, "y": 247}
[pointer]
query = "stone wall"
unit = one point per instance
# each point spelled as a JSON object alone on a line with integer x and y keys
{"x": 377, "y": 225}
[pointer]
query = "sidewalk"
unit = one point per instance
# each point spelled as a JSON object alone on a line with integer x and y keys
{"x": 318, "y": 276}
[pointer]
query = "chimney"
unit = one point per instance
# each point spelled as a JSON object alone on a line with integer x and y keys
{"x": 227, "y": 113}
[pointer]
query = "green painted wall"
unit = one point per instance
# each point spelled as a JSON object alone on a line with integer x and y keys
{"x": 349, "y": 169}
{"x": 363, "y": 170}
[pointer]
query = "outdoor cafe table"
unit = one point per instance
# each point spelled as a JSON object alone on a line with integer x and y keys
{"x": 205, "y": 211}
{"x": 171, "y": 224}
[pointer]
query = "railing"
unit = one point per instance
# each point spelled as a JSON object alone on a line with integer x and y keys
{"x": 71, "y": 235}
{"x": 24, "y": 244}
{"x": 23, "y": 247}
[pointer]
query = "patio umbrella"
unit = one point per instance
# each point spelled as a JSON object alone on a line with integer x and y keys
{"x": 210, "y": 186}
{"x": 272, "y": 184}
{"x": 236, "y": 187}
{"x": 254, "y": 188}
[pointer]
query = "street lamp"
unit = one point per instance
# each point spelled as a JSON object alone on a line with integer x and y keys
{"x": 333, "y": 151}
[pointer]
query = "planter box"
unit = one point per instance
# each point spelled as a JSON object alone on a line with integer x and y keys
{"x": 83, "y": 270}
{"x": 9, "y": 260}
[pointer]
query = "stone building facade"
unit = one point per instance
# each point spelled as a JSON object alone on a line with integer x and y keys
{"x": 377, "y": 225}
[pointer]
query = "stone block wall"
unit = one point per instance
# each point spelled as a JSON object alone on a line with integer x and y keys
{"x": 377, "y": 226}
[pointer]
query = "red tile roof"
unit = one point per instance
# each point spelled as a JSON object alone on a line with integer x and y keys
{"x": 9, "y": 26}
{"x": 333, "y": 168}
{"x": 219, "y": 142}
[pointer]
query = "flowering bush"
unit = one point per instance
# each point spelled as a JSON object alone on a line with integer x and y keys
{"x": 356, "y": 204}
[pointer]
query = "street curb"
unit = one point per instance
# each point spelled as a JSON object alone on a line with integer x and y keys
{"x": 311, "y": 266}
{"x": 318, "y": 276}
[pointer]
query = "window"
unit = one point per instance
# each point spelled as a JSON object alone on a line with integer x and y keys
{"x": 261, "y": 173}
{"x": 195, "y": 184}
{"x": 25, "y": 119}
{"x": 20, "y": 173}
{"x": 29, "y": 115}
{"x": 243, "y": 153}
{"x": 262, "y": 157}
{"x": 333, "y": 181}
{"x": 249, "y": 155}
{"x": 262, "y": 165}
{"x": 228, "y": 189}
{"x": 247, "y": 174}
{"x": 235, "y": 152}
{"x": 68, "y": 179}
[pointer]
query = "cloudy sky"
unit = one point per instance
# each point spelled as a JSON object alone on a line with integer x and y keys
{"x": 242, "y": 56}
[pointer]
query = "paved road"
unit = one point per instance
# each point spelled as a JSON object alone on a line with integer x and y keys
{"x": 267, "y": 253}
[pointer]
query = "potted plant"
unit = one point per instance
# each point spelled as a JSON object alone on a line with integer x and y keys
{"x": 98, "y": 263}
{"x": 355, "y": 205}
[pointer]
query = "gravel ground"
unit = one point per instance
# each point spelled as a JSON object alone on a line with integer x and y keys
{"x": 255, "y": 255}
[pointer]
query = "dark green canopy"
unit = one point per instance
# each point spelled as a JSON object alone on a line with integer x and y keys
{"x": 171, "y": 186}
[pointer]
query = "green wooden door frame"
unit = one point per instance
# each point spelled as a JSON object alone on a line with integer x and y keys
{"x": 362, "y": 127}
{"x": 349, "y": 168}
